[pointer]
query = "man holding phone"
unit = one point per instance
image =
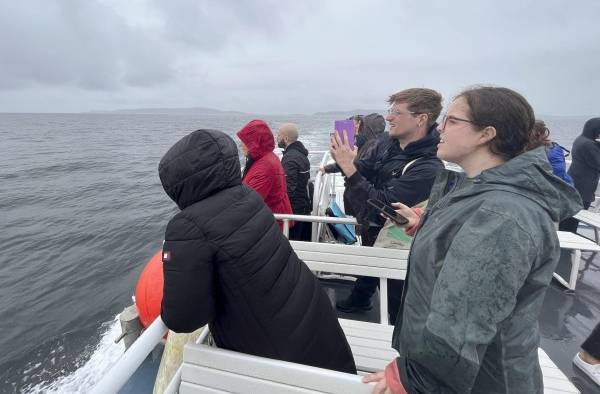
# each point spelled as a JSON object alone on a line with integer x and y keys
{"x": 401, "y": 167}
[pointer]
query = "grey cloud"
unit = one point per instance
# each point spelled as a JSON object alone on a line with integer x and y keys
{"x": 89, "y": 45}
{"x": 276, "y": 56}
{"x": 210, "y": 25}
{"x": 84, "y": 44}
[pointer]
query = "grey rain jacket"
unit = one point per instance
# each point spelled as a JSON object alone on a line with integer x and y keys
{"x": 478, "y": 270}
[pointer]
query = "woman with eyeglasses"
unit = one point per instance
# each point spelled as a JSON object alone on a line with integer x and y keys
{"x": 482, "y": 257}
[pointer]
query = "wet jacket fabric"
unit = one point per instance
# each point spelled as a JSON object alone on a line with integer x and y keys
{"x": 556, "y": 157}
{"x": 265, "y": 175}
{"x": 478, "y": 270}
{"x": 297, "y": 172}
{"x": 381, "y": 174}
{"x": 226, "y": 263}
{"x": 585, "y": 165}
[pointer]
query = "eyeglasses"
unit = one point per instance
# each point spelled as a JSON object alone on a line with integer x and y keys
{"x": 451, "y": 118}
{"x": 397, "y": 113}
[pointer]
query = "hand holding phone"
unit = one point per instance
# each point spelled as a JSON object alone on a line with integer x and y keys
{"x": 348, "y": 127}
{"x": 387, "y": 211}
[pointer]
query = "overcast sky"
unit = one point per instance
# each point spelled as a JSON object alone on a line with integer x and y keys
{"x": 293, "y": 56}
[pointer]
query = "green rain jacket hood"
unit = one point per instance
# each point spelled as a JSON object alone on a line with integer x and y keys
{"x": 478, "y": 271}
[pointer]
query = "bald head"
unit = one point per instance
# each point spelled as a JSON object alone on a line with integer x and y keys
{"x": 288, "y": 133}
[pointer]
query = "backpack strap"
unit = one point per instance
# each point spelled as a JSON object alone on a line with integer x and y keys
{"x": 410, "y": 163}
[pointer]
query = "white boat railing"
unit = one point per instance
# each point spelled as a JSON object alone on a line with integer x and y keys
{"x": 323, "y": 189}
{"x": 312, "y": 219}
{"x": 131, "y": 360}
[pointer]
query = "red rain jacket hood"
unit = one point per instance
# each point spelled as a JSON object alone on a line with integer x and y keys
{"x": 258, "y": 138}
{"x": 265, "y": 175}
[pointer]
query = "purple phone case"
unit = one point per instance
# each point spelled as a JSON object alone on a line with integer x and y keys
{"x": 347, "y": 125}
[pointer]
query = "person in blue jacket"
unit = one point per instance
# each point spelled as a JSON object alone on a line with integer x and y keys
{"x": 555, "y": 152}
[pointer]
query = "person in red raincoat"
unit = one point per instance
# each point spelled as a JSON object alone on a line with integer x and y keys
{"x": 263, "y": 171}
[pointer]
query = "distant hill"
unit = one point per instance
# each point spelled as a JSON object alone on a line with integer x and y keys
{"x": 347, "y": 114}
{"x": 170, "y": 111}
{"x": 342, "y": 114}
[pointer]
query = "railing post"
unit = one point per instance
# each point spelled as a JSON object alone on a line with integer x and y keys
{"x": 383, "y": 302}
{"x": 286, "y": 228}
{"x": 130, "y": 361}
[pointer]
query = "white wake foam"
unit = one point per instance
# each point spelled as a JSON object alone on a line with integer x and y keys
{"x": 82, "y": 380}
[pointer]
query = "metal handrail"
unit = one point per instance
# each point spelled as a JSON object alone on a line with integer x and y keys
{"x": 131, "y": 360}
{"x": 285, "y": 218}
{"x": 315, "y": 219}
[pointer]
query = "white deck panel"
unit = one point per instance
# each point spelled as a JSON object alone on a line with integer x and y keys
{"x": 232, "y": 372}
{"x": 349, "y": 250}
{"x": 569, "y": 240}
{"x": 589, "y": 217}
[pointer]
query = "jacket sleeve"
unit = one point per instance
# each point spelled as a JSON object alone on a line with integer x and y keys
{"x": 292, "y": 169}
{"x": 365, "y": 162}
{"x": 331, "y": 168}
{"x": 188, "y": 291}
{"x": 411, "y": 188}
{"x": 260, "y": 181}
{"x": 476, "y": 289}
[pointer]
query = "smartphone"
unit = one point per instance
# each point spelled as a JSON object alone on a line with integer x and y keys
{"x": 387, "y": 211}
{"x": 348, "y": 126}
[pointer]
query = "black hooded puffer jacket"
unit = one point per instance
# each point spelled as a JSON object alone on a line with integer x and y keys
{"x": 585, "y": 168}
{"x": 226, "y": 263}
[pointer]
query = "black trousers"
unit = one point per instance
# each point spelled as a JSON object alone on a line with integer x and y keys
{"x": 571, "y": 224}
{"x": 365, "y": 286}
{"x": 301, "y": 231}
{"x": 592, "y": 344}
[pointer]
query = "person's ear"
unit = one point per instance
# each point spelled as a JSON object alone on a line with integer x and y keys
{"x": 422, "y": 119}
{"x": 487, "y": 134}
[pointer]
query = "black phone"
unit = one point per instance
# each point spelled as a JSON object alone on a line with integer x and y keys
{"x": 387, "y": 211}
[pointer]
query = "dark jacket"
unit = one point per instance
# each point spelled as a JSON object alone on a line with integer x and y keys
{"x": 585, "y": 167}
{"x": 297, "y": 173}
{"x": 372, "y": 126}
{"x": 478, "y": 271}
{"x": 226, "y": 263}
{"x": 381, "y": 175}
{"x": 264, "y": 172}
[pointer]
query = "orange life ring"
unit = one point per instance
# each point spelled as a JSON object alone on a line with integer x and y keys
{"x": 149, "y": 290}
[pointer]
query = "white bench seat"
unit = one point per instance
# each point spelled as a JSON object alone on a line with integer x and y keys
{"x": 576, "y": 244}
{"x": 590, "y": 218}
{"x": 211, "y": 370}
{"x": 356, "y": 260}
